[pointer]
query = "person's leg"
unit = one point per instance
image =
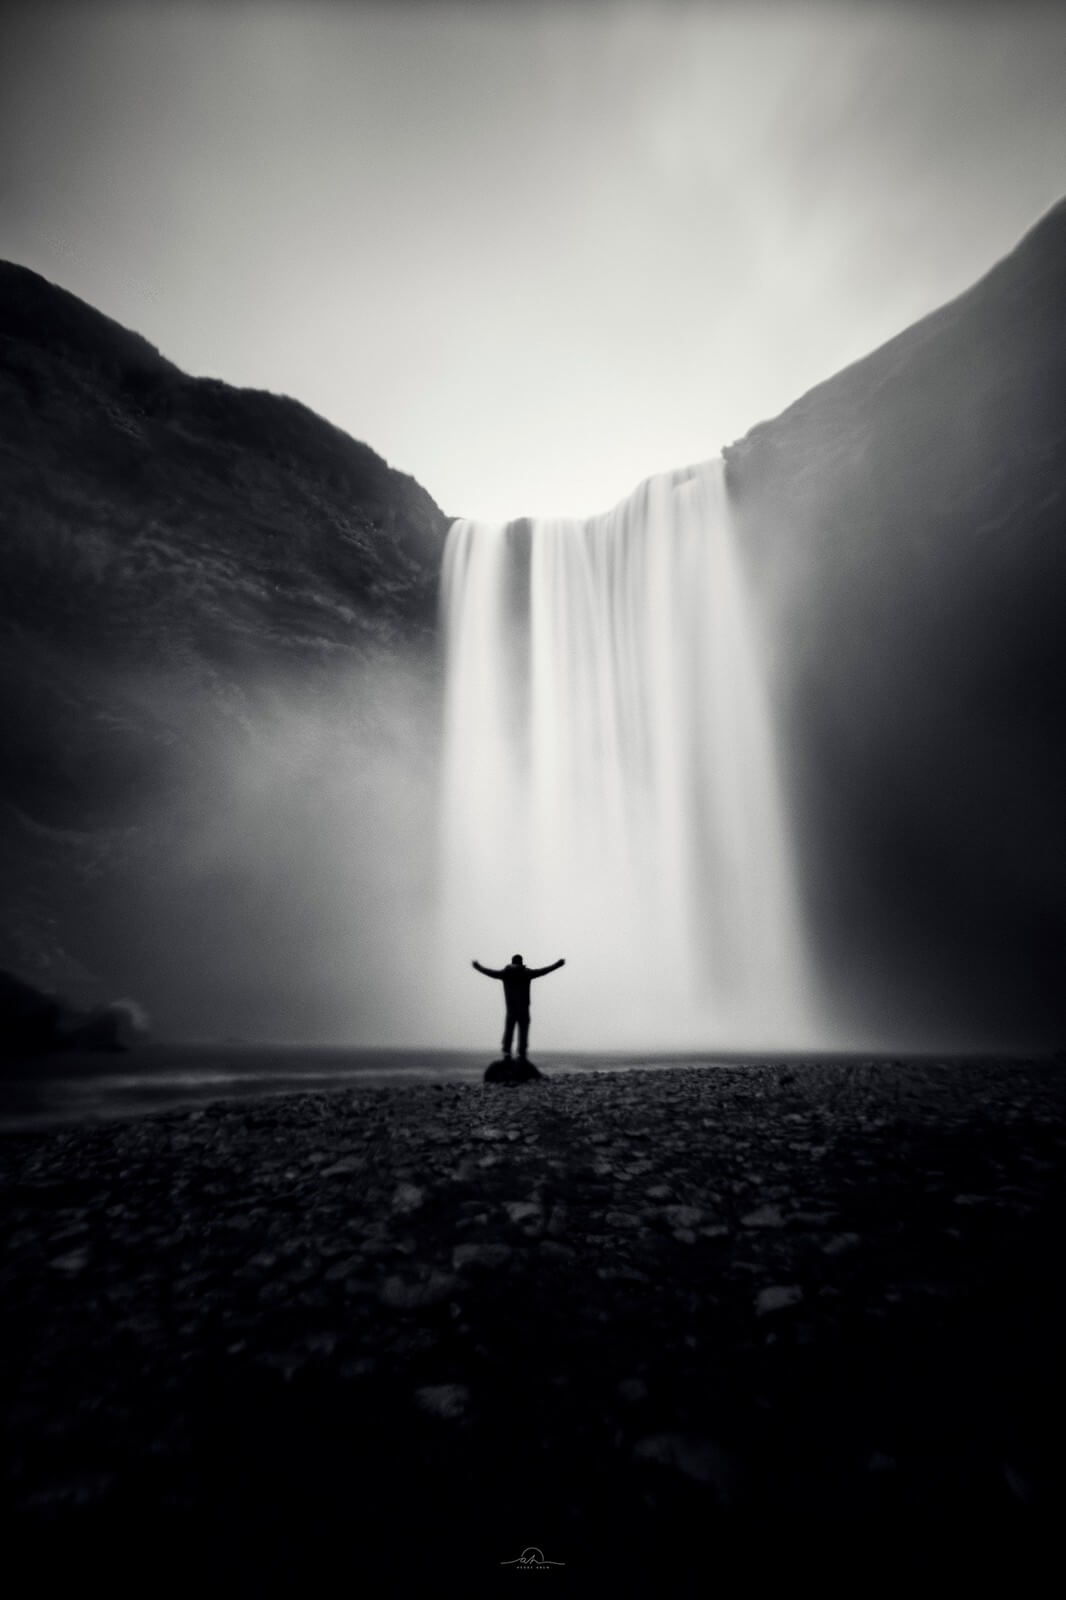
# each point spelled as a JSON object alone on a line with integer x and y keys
{"x": 508, "y": 1034}
{"x": 523, "y": 1036}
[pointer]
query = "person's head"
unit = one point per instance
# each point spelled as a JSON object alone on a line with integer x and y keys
{"x": 516, "y": 961}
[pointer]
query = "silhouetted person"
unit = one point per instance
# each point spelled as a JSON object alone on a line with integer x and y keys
{"x": 516, "y": 980}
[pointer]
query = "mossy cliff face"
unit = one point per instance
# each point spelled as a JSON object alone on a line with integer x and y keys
{"x": 904, "y": 530}
{"x": 182, "y": 565}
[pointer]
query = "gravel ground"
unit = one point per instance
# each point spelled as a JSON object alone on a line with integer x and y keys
{"x": 641, "y": 1322}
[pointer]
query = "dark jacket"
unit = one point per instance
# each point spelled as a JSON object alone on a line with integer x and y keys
{"x": 516, "y": 982}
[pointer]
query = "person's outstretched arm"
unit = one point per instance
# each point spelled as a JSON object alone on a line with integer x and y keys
{"x": 539, "y": 972}
{"x": 490, "y": 972}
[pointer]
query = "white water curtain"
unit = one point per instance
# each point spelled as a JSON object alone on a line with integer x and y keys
{"x": 610, "y": 786}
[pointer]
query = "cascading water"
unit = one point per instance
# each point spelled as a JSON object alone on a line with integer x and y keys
{"x": 610, "y": 792}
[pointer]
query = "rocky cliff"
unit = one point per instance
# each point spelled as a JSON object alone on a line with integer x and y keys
{"x": 219, "y": 677}
{"x": 189, "y": 573}
{"x": 904, "y": 528}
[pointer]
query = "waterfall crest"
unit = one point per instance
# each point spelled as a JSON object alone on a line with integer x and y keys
{"x": 609, "y": 787}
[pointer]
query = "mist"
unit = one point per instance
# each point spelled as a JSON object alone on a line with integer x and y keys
{"x": 284, "y": 887}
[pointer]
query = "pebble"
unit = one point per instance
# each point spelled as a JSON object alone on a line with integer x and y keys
{"x": 450, "y": 1401}
{"x": 764, "y": 1217}
{"x": 347, "y": 1164}
{"x": 359, "y": 1367}
{"x": 403, "y": 1294}
{"x": 1020, "y": 1486}
{"x": 488, "y": 1256}
{"x": 231, "y": 1243}
{"x": 683, "y": 1216}
{"x": 344, "y": 1269}
{"x": 703, "y": 1460}
{"x": 841, "y": 1243}
{"x": 73, "y": 1262}
{"x": 777, "y": 1297}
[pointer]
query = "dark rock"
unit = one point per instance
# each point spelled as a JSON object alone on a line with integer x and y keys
{"x": 33, "y": 1024}
{"x": 100, "y": 1030}
{"x": 511, "y": 1072}
{"x": 29, "y": 1020}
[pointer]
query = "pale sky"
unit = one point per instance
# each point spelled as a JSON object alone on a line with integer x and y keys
{"x": 530, "y": 253}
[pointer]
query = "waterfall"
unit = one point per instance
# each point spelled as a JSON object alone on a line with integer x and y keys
{"x": 609, "y": 784}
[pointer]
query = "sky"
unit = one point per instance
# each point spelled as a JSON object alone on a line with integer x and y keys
{"x": 530, "y": 253}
